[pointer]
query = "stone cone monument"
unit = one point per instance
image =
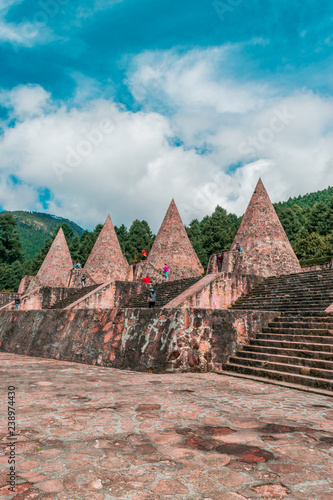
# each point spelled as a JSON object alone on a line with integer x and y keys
{"x": 173, "y": 247}
{"x": 106, "y": 261}
{"x": 266, "y": 250}
{"x": 58, "y": 262}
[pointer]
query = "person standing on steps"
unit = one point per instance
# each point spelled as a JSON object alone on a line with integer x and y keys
{"x": 17, "y": 300}
{"x": 144, "y": 254}
{"x": 166, "y": 271}
{"x": 152, "y": 298}
{"x": 83, "y": 281}
{"x": 238, "y": 247}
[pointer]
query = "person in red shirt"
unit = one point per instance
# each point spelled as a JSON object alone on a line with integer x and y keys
{"x": 144, "y": 254}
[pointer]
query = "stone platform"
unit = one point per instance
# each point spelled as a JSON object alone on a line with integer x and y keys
{"x": 88, "y": 432}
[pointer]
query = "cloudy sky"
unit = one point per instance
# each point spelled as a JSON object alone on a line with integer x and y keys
{"x": 116, "y": 106}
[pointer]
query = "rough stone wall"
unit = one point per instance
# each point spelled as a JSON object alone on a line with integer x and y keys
{"x": 57, "y": 263}
{"x": 317, "y": 267}
{"x": 24, "y": 284}
{"x": 110, "y": 295}
{"x": 158, "y": 340}
{"x": 106, "y": 261}
{"x": 33, "y": 283}
{"x": 173, "y": 247}
{"x": 5, "y": 298}
{"x": 220, "y": 293}
{"x": 265, "y": 247}
{"x": 43, "y": 298}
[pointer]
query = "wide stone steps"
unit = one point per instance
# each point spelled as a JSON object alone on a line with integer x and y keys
{"x": 296, "y": 347}
{"x": 285, "y": 359}
{"x": 293, "y": 378}
{"x": 300, "y": 353}
{"x": 284, "y": 367}
{"x": 299, "y": 338}
{"x": 165, "y": 292}
{"x": 299, "y": 331}
{"x": 303, "y": 325}
{"x": 274, "y": 306}
{"x": 73, "y": 297}
{"x": 291, "y": 293}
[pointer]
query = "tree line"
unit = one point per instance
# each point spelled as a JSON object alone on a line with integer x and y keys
{"x": 309, "y": 228}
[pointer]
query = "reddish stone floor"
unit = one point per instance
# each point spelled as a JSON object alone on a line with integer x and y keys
{"x": 97, "y": 433}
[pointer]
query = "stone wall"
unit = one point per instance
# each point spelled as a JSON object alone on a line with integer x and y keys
{"x": 28, "y": 284}
{"x": 43, "y": 298}
{"x": 220, "y": 292}
{"x": 317, "y": 267}
{"x": 5, "y": 298}
{"x": 157, "y": 340}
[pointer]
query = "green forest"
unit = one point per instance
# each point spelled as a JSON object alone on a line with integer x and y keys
{"x": 307, "y": 220}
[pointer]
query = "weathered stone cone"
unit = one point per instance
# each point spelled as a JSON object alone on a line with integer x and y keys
{"x": 57, "y": 263}
{"x": 263, "y": 241}
{"x": 106, "y": 261}
{"x": 173, "y": 247}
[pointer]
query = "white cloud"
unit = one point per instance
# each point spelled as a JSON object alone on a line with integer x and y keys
{"x": 99, "y": 157}
{"x": 26, "y": 101}
{"x": 28, "y": 32}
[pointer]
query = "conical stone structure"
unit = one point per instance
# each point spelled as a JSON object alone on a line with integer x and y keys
{"x": 173, "y": 248}
{"x": 57, "y": 263}
{"x": 106, "y": 261}
{"x": 266, "y": 250}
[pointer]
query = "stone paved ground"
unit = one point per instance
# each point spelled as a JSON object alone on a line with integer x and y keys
{"x": 97, "y": 433}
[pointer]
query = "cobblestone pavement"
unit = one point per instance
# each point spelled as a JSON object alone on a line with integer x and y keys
{"x": 96, "y": 433}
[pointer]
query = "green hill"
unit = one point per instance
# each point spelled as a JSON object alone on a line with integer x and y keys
{"x": 308, "y": 200}
{"x": 35, "y": 228}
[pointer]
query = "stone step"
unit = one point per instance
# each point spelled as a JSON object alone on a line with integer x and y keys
{"x": 286, "y": 301}
{"x": 292, "y": 285}
{"x": 285, "y": 309}
{"x": 319, "y": 288}
{"x": 311, "y": 283}
{"x": 299, "y": 353}
{"x": 73, "y": 297}
{"x": 324, "y": 273}
{"x": 287, "y": 344}
{"x": 283, "y": 367}
{"x": 276, "y": 375}
{"x": 165, "y": 292}
{"x": 288, "y": 296}
{"x": 313, "y": 325}
{"x": 298, "y": 338}
{"x": 314, "y": 361}
{"x": 299, "y": 331}
{"x": 309, "y": 314}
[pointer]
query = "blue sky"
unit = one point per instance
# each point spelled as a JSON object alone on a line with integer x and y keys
{"x": 200, "y": 97}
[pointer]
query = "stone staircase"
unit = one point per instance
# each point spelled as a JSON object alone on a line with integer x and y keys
{"x": 73, "y": 297}
{"x": 310, "y": 291}
{"x": 165, "y": 292}
{"x": 295, "y": 348}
